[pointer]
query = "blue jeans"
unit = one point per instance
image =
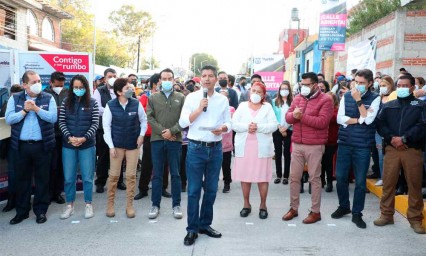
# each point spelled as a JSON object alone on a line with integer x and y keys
{"x": 86, "y": 159}
{"x": 202, "y": 169}
{"x": 359, "y": 159}
{"x": 379, "y": 144}
{"x": 160, "y": 152}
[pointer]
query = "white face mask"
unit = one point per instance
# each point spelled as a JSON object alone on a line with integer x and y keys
{"x": 383, "y": 90}
{"x": 36, "y": 88}
{"x": 305, "y": 90}
{"x": 284, "y": 92}
{"x": 255, "y": 98}
{"x": 111, "y": 81}
{"x": 57, "y": 90}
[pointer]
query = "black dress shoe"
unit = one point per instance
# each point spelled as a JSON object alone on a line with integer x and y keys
{"x": 329, "y": 187}
{"x": 141, "y": 195}
{"x": 285, "y": 181}
{"x": 263, "y": 214}
{"x": 41, "y": 218}
{"x": 18, "y": 219}
{"x": 245, "y": 212}
{"x": 58, "y": 199}
{"x": 121, "y": 186}
{"x": 357, "y": 219}
{"x": 183, "y": 189}
{"x": 277, "y": 180}
{"x": 190, "y": 238}
{"x": 166, "y": 194}
{"x": 226, "y": 188}
{"x": 210, "y": 232}
{"x": 100, "y": 189}
{"x": 302, "y": 190}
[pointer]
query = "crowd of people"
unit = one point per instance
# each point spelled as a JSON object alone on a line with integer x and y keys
{"x": 190, "y": 131}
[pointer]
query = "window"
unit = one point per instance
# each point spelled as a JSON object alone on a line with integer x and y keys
{"x": 7, "y": 21}
{"x": 32, "y": 23}
{"x": 47, "y": 30}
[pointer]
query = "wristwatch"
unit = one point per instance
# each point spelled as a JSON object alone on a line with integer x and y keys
{"x": 26, "y": 111}
{"x": 404, "y": 140}
{"x": 359, "y": 103}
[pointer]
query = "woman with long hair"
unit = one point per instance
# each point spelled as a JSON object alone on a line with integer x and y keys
{"x": 282, "y": 136}
{"x": 78, "y": 121}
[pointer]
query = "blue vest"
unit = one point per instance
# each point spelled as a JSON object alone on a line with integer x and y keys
{"x": 125, "y": 126}
{"x": 47, "y": 129}
{"x": 79, "y": 121}
{"x": 357, "y": 135}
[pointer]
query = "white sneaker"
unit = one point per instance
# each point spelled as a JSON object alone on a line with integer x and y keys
{"x": 89, "y": 211}
{"x": 69, "y": 210}
{"x": 379, "y": 183}
{"x": 154, "y": 212}
{"x": 177, "y": 212}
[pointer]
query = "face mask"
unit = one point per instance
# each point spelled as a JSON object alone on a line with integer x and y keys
{"x": 134, "y": 82}
{"x": 255, "y": 98}
{"x": 383, "y": 90}
{"x": 243, "y": 83}
{"x": 79, "y": 92}
{"x": 111, "y": 81}
{"x": 167, "y": 86}
{"x": 128, "y": 94}
{"x": 57, "y": 90}
{"x": 36, "y": 88}
{"x": 284, "y": 93}
{"x": 360, "y": 88}
{"x": 402, "y": 92}
{"x": 223, "y": 83}
{"x": 376, "y": 85}
{"x": 305, "y": 90}
{"x": 417, "y": 87}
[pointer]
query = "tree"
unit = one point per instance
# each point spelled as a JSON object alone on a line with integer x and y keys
{"x": 132, "y": 26}
{"x": 146, "y": 64}
{"x": 198, "y": 60}
{"x": 368, "y": 12}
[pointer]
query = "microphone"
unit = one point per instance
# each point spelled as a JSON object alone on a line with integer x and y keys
{"x": 205, "y": 97}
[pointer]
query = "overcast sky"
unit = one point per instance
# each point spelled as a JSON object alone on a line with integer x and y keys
{"x": 230, "y": 30}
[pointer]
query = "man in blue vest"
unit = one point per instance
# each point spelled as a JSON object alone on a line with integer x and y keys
{"x": 357, "y": 111}
{"x": 32, "y": 115}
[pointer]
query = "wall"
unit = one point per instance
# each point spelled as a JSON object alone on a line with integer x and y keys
{"x": 21, "y": 39}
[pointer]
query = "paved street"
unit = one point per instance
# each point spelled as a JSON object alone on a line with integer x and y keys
{"x": 249, "y": 236}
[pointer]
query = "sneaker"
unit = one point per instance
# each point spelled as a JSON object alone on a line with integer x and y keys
{"x": 226, "y": 188}
{"x": 177, "y": 212}
{"x": 340, "y": 212}
{"x": 69, "y": 210}
{"x": 154, "y": 212}
{"x": 379, "y": 183}
{"x": 357, "y": 219}
{"x": 89, "y": 211}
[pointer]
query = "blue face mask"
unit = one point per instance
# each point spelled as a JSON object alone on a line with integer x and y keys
{"x": 79, "y": 92}
{"x": 167, "y": 86}
{"x": 402, "y": 92}
{"x": 360, "y": 88}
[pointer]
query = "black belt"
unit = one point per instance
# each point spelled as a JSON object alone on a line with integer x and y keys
{"x": 206, "y": 144}
{"x": 31, "y": 141}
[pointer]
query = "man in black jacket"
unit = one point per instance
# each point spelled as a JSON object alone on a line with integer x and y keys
{"x": 401, "y": 123}
{"x": 59, "y": 92}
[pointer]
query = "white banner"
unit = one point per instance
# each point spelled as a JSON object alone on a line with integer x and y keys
{"x": 6, "y": 70}
{"x": 362, "y": 55}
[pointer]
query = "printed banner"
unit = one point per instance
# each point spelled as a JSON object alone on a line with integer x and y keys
{"x": 45, "y": 63}
{"x": 271, "y": 69}
{"x": 362, "y": 55}
{"x": 332, "y": 31}
{"x": 5, "y": 68}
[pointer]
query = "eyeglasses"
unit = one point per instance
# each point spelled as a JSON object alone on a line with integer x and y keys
{"x": 307, "y": 84}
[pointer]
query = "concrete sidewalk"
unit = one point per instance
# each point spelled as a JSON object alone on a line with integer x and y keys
{"x": 241, "y": 236}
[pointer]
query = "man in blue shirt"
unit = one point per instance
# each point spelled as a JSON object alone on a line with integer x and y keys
{"x": 32, "y": 114}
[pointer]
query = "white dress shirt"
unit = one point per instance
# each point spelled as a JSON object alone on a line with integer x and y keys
{"x": 372, "y": 111}
{"x": 217, "y": 114}
{"x": 107, "y": 120}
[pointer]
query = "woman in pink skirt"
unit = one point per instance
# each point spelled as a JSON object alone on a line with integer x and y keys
{"x": 254, "y": 122}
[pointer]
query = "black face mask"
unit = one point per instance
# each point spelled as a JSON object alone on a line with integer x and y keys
{"x": 134, "y": 82}
{"x": 243, "y": 83}
{"x": 223, "y": 82}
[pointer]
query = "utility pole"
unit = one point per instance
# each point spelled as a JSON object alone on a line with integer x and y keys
{"x": 139, "y": 51}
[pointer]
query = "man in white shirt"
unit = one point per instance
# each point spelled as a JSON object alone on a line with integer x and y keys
{"x": 207, "y": 118}
{"x": 357, "y": 111}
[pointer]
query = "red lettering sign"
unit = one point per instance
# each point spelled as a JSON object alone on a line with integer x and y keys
{"x": 67, "y": 62}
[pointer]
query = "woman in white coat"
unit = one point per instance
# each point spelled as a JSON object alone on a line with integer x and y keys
{"x": 254, "y": 122}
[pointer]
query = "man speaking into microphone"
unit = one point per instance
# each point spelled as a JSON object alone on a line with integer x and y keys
{"x": 207, "y": 114}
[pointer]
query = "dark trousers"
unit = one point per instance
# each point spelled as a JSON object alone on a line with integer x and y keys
{"x": 327, "y": 163}
{"x": 12, "y": 156}
{"x": 146, "y": 167}
{"x": 226, "y": 167}
{"x": 32, "y": 158}
{"x": 279, "y": 143}
{"x": 102, "y": 165}
{"x": 56, "y": 184}
{"x": 182, "y": 172}
{"x": 375, "y": 156}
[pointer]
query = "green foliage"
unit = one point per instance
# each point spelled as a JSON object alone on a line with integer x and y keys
{"x": 146, "y": 64}
{"x": 202, "y": 59}
{"x": 368, "y": 12}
